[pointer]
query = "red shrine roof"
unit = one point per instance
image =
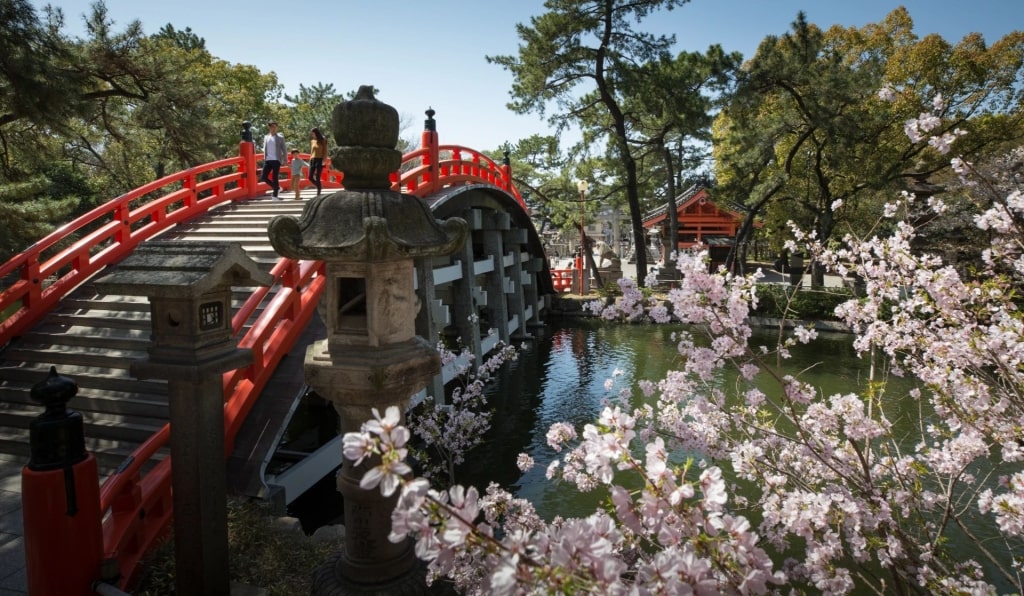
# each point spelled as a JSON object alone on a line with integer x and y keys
{"x": 694, "y": 204}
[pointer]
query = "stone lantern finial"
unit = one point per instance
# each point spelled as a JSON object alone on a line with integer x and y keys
{"x": 366, "y": 132}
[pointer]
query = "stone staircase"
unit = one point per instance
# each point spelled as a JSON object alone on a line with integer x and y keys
{"x": 93, "y": 339}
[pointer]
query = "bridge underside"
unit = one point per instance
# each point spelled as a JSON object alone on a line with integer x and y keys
{"x": 492, "y": 291}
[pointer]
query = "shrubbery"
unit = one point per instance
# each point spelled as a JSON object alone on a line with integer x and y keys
{"x": 779, "y": 301}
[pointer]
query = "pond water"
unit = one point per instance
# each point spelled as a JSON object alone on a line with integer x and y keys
{"x": 561, "y": 377}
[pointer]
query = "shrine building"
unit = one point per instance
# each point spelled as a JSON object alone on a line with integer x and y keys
{"x": 701, "y": 223}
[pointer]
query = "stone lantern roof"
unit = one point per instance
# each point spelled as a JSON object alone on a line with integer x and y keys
{"x": 366, "y": 222}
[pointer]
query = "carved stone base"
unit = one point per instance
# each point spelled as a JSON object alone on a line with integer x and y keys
{"x": 328, "y": 581}
{"x": 610, "y": 276}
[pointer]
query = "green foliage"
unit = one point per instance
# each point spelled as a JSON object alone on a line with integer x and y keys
{"x": 116, "y": 108}
{"x": 184, "y": 39}
{"x": 670, "y": 105}
{"x": 780, "y": 301}
{"x": 313, "y": 107}
{"x": 544, "y": 176}
{"x": 67, "y": 182}
{"x": 37, "y": 82}
{"x": 609, "y": 290}
{"x": 26, "y": 213}
{"x": 577, "y": 56}
{"x": 806, "y": 130}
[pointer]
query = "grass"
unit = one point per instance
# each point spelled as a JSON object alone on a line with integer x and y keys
{"x": 282, "y": 562}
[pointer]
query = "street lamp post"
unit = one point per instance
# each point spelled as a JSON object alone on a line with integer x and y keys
{"x": 582, "y": 186}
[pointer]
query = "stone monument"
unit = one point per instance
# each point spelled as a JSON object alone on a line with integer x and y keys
{"x": 608, "y": 264}
{"x": 368, "y": 236}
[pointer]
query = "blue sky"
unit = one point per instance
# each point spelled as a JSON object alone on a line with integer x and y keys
{"x": 431, "y": 54}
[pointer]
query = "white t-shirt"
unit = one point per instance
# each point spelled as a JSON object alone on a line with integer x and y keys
{"x": 270, "y": 150}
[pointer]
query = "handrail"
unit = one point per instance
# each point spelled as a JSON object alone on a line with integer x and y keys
{"x": 465, "y": 166}
{"x": 137, "y": 508}
{"x": 562, "y": 279}
{"x": 111, "y": 231}
{"x": 48, "y": 270}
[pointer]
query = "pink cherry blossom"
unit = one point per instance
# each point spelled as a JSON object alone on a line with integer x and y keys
{"x": 847, "y": 499}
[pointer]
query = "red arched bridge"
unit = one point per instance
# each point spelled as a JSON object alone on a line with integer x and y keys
{"x": 492, "y": 290}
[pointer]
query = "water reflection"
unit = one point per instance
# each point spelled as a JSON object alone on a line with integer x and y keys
{"x": 561, "y": 377}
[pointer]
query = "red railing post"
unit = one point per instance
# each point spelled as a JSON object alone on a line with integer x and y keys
{"x": 429, "y": 142}
{"x": 459, "y": 167}
{"x": 578, "y": 266}
{"x": 250, "y": 177}
{"x": 122, "y": 214}
{"x": 60, "y": 498}
{"x": 188, "y": 182}
{"x": 30, "y": 273}
{"x": 506, "y": 172}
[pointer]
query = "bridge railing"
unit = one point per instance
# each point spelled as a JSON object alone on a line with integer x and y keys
{"x": 433, "y": 167}
{"x": 137, "y": 507}
{"x": 562, "y": 279}
{"x": 47, "y": 271}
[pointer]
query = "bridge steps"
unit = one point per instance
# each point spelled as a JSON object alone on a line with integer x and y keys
{"x": 112, "y": 428}
{"x": 94, "y": 339}
{"x": 122, "y": 403}
{"x": 83, "y": 357}
{"x": 81, "y": 335}
{"x": 244, "y": 223}
{"x": 109, "y": 454}
{"x": 86, "y": 377}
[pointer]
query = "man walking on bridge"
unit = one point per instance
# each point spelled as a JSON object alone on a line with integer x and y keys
{"x": 275, "y": 152}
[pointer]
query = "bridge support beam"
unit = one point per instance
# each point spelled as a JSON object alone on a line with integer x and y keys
{"x": 514, "y": 239}
{"x": 427, "y": 324}
{"x": 534, "y": 267}
{"x": 464, "y": 292}
{"x": 497, "y": 281}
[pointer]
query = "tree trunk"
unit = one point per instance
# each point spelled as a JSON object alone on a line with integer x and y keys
{"x": 591, "y": 264}
{"x": 825, "y": 224}
{"x": 621, "y": 140}
{"x": 670, "y": 243}
{"x": 747, "y": 227}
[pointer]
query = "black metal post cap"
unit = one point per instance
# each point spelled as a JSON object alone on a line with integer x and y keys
{"x": 57, "y": 436}
{"x": 54, "y": 392}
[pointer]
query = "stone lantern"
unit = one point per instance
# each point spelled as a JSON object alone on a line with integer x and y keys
{"x": 189, "y": 285}
{"x": 368, "y": 236}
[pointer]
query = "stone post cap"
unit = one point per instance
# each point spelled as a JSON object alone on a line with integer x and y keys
{"x": 177, "y": 269}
